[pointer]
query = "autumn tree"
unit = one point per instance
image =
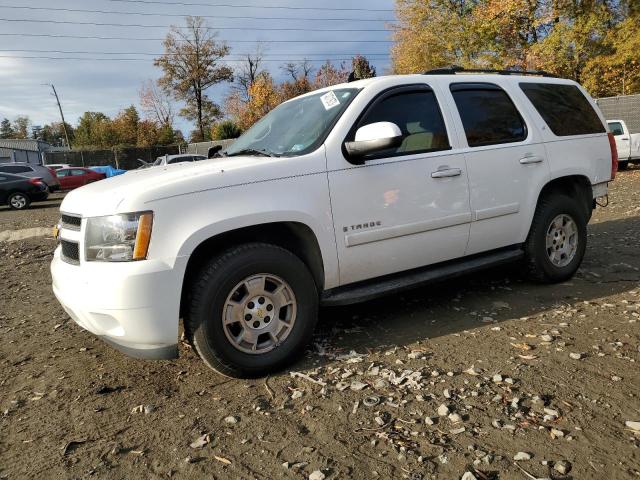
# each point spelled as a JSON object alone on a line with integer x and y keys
{"x": 190, "y": 65}
{"x": 125, "y": 127}
{"x": 328, "y": 74}
{"x": 156, "y": 104}
{"x": 21, "y": 126}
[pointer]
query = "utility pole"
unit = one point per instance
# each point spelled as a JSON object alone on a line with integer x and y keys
{"x": 64, "y": 125}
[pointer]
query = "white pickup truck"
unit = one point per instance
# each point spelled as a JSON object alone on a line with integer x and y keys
{"x": 337, "y": 196}
{"x": 627, "y": 144}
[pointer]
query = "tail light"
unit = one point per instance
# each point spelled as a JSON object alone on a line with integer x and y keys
{"x": 614, "y": 155}
{"x": 35, "y": 181}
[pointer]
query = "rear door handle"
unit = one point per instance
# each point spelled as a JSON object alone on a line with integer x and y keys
{"x": 444, "y": 172}
{"x": 528, "y": 159}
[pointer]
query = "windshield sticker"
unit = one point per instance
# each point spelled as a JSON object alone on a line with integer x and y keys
{"x": 329, "y": 100}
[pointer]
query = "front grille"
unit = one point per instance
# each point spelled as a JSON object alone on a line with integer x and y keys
{"x": 70, "y": 222}
{"x": 70, "y": 252}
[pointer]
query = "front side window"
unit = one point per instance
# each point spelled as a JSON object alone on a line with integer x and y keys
{"x": 418, "y": 116}
{"x": 564, "y": 108}
{"x": 295, "y": 127}
{"x": 616, "y": 128}
{"x": 488, "y": 115}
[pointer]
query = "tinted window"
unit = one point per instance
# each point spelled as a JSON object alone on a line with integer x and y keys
{"x": 564, "y": 108}
{"x": 181, "y": 159}
{"x": 63, "y": 173}
{"x": 488, "y": 115}
{"x": 15, "y": 169}
{"x": 78, "y": 172}
{"x": 616, "y": 128}
{"x": 417, "y": 115}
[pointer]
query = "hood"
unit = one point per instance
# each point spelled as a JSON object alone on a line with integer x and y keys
{"x": 134, "y": 190}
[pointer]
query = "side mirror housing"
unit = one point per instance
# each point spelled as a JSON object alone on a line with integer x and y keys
{"x": 213, "y": 151}
{"x": 373, "y": 138}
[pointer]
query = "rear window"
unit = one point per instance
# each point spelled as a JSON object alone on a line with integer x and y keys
{"x": 616, "y": 128}
{"x": 564, "y": 108}
{"x": 488, "y": 115}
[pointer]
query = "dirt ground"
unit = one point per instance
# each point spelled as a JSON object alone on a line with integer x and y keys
{"x": 515, "y": 369}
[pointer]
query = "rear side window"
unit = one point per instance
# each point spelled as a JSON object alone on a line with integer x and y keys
{"x": 417, "y": 115}
{"x": 616, "y": 128}
{"x": 564, "y": 108}
{"x": 488, "y": 115}
{"x": 15, "y": 169}
{"x": 77, "y": 173}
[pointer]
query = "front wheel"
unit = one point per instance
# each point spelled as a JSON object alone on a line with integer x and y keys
{"x": 557, "y": 240}
{"x": 252, "y": 310}
{"x": 19, "y": 201}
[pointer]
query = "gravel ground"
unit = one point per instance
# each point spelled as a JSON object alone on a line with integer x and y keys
{"x": 447, "y": 381}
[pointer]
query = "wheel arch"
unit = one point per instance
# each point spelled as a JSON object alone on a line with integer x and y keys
{"x": 294, "y": 236}
{"x": 576, "y": 186}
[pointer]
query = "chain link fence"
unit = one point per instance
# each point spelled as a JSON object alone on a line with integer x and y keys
{"x": 625, "y": 108}
{"x": 126, "y": 158}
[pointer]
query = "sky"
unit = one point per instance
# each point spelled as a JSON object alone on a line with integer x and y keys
{"x": 93, "y": 80}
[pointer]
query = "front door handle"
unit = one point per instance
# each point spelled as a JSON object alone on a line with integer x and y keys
{"x": 445, "y": 172}
{"x": 529, "y": 159}
{"x": 625, "y": 138}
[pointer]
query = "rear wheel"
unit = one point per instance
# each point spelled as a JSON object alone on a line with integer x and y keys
{"x": 19, "y": 201}
{"x": 557, "y": 239}
{"x": 252, "y": 310}
{"x": 623, "y": 165}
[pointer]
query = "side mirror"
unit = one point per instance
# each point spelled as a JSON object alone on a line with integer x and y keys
{"x": 213, "y": 151}
{"x": 373, "y": 138}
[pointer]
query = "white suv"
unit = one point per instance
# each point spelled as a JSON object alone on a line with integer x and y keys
{"x": 334, "y": 197}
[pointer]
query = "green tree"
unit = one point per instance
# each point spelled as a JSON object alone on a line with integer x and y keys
{"x": 6, "y": 130}
{"x": 54, "y": 133}
{"x": 90, "y": 129}
{"x": 191, "y": 65}
{"x": 362, "y": 68}
{"x": 225, "y": 130}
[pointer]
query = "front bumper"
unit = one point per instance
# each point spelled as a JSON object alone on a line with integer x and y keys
{"x": 133, "y": 306}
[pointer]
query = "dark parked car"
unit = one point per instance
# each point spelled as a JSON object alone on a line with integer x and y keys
{"x": 75, "y": 177}
{"x": 48, "y": 175}
{"x": 18, "y": 192}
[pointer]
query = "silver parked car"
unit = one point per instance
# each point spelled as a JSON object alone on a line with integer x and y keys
{"x": 30, "y": 170}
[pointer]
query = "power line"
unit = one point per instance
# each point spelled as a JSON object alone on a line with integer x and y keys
{"x": 242, "y": 55}
{"x": 135, "y": 39}
{"x": 245, "y": 28}
{"x": 45, "y": 57}
{"x": 273, "y": 7}
{"x": 228, "y": 17}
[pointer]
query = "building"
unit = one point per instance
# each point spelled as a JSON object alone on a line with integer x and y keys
{"x": 22, "y": 150}
{"x": 626, "y": 107}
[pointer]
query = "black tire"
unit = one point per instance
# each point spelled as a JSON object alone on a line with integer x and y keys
{"x": 18, "y": 201}
{"x": 217, "y": 280}
{"x": 539, "y": 266}
{"x": 623, "y": 165}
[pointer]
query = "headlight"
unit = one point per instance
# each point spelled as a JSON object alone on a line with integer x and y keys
{"x": 118, "y": 238}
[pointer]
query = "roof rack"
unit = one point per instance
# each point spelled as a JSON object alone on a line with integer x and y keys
{"x": 454, "y": 69}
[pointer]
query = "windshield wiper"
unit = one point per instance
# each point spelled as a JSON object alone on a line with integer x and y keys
{"x": 253, "y": 151}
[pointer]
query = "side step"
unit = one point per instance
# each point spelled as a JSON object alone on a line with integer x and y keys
{"x": 368, "y": 290}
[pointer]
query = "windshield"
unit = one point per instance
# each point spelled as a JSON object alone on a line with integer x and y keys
{"x": 295, "y": 127}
